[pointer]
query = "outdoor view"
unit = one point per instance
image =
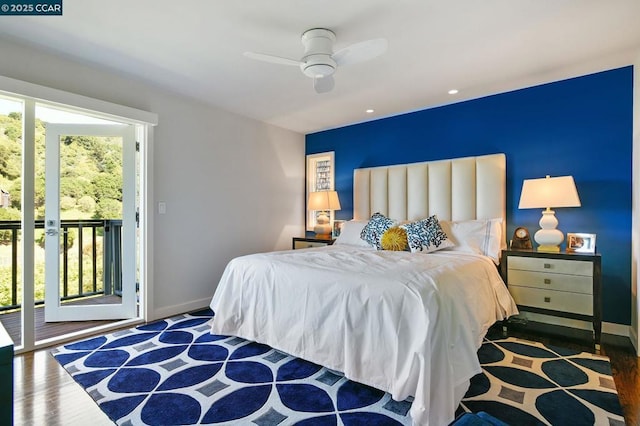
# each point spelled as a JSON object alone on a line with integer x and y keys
{"x": 90, "y": 193}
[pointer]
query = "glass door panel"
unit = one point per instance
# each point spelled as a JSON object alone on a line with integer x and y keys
{"x": 89, "y": 227}
{"x": 11, "y": 217}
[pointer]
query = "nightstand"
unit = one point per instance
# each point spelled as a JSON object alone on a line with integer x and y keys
{"x": 309, "y": 242}
{"x": 567, "y": 285}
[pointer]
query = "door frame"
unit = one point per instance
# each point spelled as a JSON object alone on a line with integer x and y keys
{"x": 144, "y": 121}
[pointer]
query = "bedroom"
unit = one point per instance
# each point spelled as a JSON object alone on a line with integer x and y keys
{"x": 271, "y": 178}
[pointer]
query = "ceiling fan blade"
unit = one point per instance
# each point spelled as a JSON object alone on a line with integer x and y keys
{"x": 272, "y": 59}
{"x": 360, "y": 52}
{"x": 323, "y": 84}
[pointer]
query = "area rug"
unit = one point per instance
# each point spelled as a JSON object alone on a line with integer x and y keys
{"x": 528, "y": 383}
{"x": 173, "y": 372}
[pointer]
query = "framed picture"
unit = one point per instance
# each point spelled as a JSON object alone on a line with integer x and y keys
{"x": 337, "y": 228}
{"x": 581, "y": 243}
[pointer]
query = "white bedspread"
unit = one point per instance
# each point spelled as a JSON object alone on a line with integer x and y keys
{"x": 406, "y": 323}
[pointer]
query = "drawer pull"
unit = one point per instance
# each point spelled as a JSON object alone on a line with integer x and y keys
{"x": 547, "y": 300}
{"x": 547, "y": 266}
{"x": 547, "y": 281}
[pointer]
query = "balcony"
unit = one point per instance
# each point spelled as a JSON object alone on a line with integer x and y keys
{"x": 90, "y": 272}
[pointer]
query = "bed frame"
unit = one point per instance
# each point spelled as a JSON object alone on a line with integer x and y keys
{"x": 454, "y": 189}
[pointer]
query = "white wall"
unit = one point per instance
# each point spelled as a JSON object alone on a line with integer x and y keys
{"x": 232, "y": 185}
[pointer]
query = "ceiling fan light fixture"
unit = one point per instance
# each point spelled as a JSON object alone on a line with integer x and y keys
{"x": 318, "y": 66}
{"x": 319, "y": 60}
{"x": 318, "y": 70}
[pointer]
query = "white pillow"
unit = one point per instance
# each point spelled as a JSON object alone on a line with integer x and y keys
{"x": 482, "y": 236}
{"x": 350, "y": 234}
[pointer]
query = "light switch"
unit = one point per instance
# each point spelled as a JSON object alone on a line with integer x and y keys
{"x": 162, "y": 207}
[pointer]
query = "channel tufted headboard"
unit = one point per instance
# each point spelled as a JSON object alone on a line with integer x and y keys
{"x": 455, "y": 189}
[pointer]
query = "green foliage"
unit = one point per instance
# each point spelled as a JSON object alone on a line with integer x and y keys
{"x": 108, "y": 208}
{"x": 8, "y": 214}
{"x": 73, "y": 277}
{"x": 90, "y": 186}
{"x": 67, "y": 203}
{"x": 71, "y": 237}
{"x": 107, "y": 186}
{"x": 87, "y": 204}
{"x": 89, "y": 167}
{"x": 75, "y": 187}
{"x": 10, "y": 147}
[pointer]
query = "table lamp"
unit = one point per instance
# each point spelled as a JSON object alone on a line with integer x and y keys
{"x": 323, "y": 201}
{"x": 546, "y": 193}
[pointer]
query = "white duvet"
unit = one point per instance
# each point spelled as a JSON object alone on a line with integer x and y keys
{"x": 406, "y": 323}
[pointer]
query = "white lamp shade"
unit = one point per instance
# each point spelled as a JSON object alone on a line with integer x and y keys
{"x": 549, "y": 192}
{"x": 323, "y": 200}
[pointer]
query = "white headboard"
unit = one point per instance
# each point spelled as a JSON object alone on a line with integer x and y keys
{"x": 456, "y": 189}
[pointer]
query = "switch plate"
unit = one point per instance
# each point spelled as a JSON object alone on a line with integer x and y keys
{"x": 162, "y": 207}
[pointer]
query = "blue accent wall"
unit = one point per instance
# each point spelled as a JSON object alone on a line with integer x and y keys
{"x": 580, "y": 127}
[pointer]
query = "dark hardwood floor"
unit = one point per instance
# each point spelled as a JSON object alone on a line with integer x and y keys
{"x": 12, "y": 321}
{"x": 46, "y": 394}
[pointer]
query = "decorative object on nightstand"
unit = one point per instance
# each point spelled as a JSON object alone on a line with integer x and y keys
{"x": 546, "y": 193}
{"x": 565, "y": 285}
{"x": 337, "y": 228}
{"x": 323, "y": 202}
{"x": 521, "y": 239}
{"x": 581, "y": 243}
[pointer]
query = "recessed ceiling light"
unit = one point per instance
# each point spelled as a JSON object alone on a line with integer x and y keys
{"x": 453, "y": 91}
{"x": 370, "y": 111}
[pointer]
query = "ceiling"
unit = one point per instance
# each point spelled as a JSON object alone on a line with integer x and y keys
{"x": 195, "y": 47}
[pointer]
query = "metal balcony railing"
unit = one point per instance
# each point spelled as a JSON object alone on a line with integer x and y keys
{"x": 110, "y": 283}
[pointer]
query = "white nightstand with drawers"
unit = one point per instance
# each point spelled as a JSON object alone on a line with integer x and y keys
{"x": 566, "y": 285}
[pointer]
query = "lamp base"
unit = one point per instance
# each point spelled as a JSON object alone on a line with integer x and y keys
{"x": 549, "y": 249}
{"x": 549, "y": 238}
{"x": 322, "y": 230}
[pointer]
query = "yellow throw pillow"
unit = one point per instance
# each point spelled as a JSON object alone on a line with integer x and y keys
{"x": 394, "y": 239}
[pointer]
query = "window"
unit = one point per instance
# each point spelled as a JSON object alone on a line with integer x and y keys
{"x": 320, "y": 177}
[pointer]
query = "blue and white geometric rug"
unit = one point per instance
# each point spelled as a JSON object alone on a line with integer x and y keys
{"x": 173, "y": 372}
{"x": 528, "y": 383}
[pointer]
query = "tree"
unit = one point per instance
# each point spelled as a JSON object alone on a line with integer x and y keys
{"x": 108, "y": 208}
{"x": 107, "y": 185}
{"x": 67, "y": 203}
{"x": 87, "y": 204}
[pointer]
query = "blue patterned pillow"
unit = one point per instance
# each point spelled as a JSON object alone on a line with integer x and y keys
{"x": 373, "y": 230}
{"x": 426, "y": 235}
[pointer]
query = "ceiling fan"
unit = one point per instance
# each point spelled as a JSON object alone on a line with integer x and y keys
{"x": 319, "y": 61}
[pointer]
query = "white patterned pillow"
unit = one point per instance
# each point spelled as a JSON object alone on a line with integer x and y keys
{"x": 426, "y": 235}
{"x": 375, "y": 228}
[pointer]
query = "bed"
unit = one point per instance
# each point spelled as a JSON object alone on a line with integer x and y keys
{"x": 408, "y": 323}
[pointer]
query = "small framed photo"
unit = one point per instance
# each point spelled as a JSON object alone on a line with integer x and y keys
{"x": 337, "y": 228}
{"x": 581, "y": 243}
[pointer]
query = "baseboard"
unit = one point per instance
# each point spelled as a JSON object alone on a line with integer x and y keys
{"x": 607, "y": 327}
{"x": 172, "y": 310}
{"x": 633, "y": 335}
{"x": 616, "y": 329}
